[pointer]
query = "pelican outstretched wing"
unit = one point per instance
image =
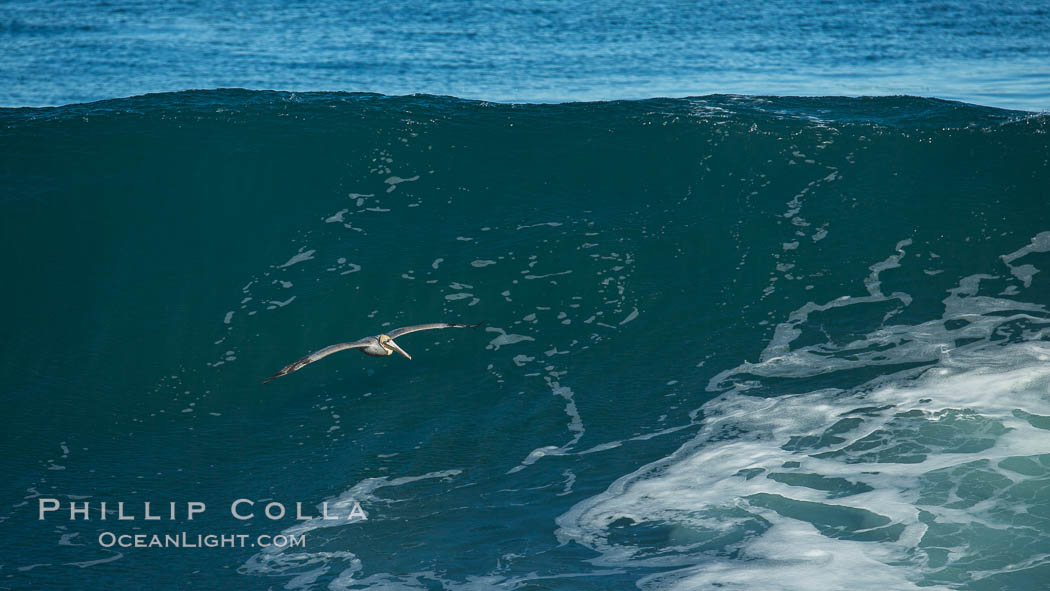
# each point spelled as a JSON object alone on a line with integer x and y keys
{"x": 407, "y": 329}
{"x": 319, "y": 355}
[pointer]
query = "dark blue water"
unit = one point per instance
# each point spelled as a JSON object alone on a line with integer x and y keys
{"x": 994, "y": 53}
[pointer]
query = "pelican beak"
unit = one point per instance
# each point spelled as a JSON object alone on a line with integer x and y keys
{"x": 395, "y": 347}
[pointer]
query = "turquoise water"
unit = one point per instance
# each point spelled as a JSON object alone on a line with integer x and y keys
{"x": 731, "y": 342}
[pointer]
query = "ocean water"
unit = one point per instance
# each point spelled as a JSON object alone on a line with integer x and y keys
{"x": 994, "y": 53}
{"x": 787, "y": 328}
{"x": 731, "y": 342}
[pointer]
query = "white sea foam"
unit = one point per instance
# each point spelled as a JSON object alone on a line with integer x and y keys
{"x": 303, "y": 567}
{"x": 504, "y": 338}
{"x": 394, "y": 181}
{"x": 303, "y": 255}
{"x": 931, "y": 475}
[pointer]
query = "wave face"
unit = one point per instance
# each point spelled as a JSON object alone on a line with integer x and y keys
{"x": 731, "y": 342}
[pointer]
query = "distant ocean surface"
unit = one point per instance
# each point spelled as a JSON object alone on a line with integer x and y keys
{"x": 733, "y": 340}
{"x": 992, "y": 53}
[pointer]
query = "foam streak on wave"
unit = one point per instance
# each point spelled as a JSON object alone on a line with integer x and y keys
{"x": 304, "y": 568}
{"x": 930, "y": 476}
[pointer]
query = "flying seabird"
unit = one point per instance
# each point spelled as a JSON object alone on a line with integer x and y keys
{"x": 377, "y": 346}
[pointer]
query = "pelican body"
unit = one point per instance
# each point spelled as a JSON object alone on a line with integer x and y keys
{"x": 380, "y": 345}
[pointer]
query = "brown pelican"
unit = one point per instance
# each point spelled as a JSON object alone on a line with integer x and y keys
{"x": 377, "y": 346}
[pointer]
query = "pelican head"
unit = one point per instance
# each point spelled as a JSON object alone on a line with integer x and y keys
{"x": 388, "y": 343}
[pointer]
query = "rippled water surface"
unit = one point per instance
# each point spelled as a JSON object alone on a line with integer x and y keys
{"x": 983, "y": 52}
